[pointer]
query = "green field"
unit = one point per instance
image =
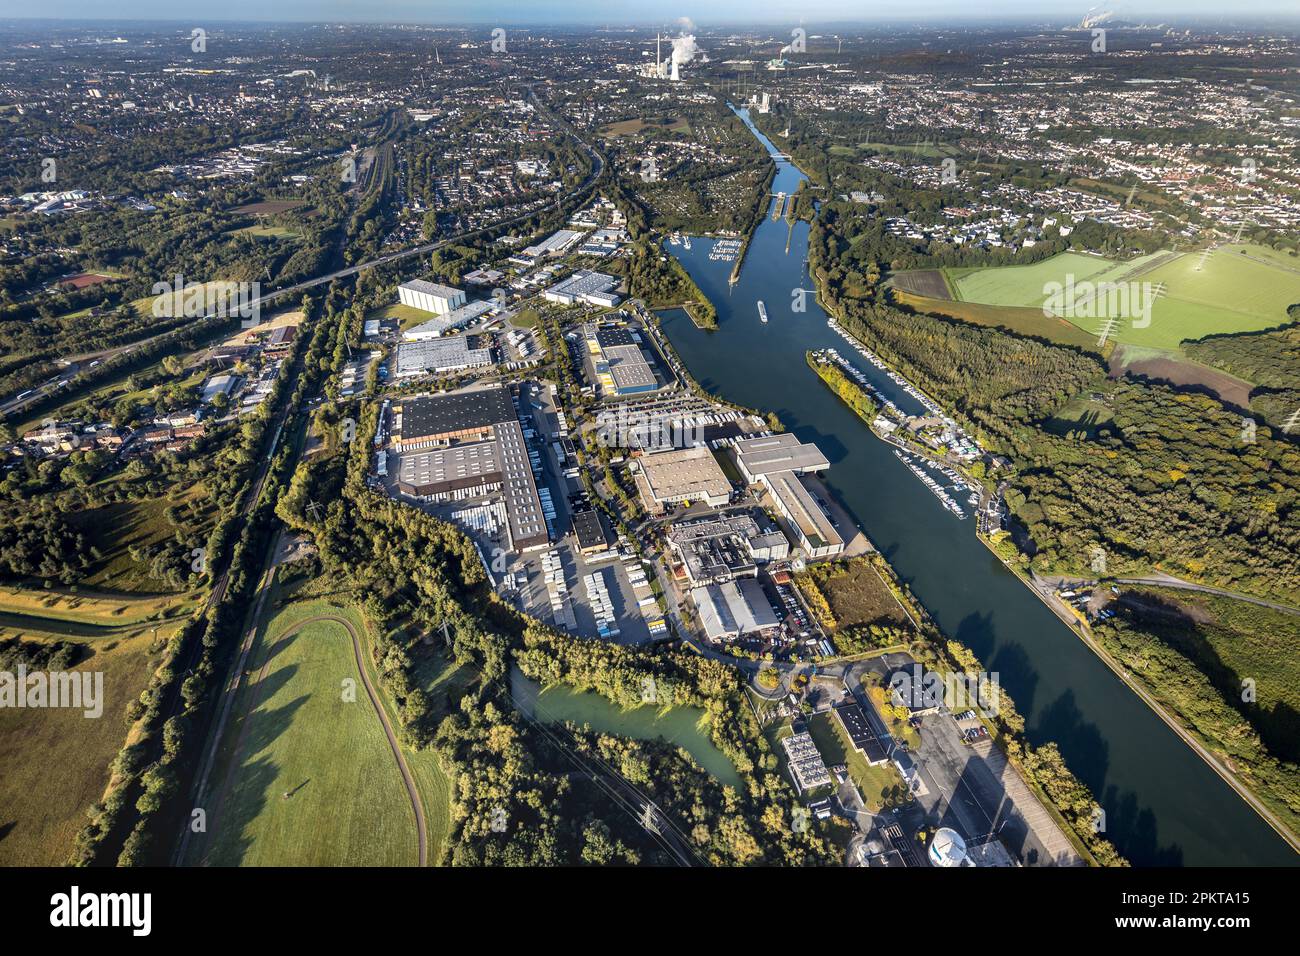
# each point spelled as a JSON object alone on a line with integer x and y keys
{"x": 1236, "y": 288}
{"x": 404, "y": 314}
{"x": 292, "y": 732}
{"x": 55, "y": 761}
{"x": 269, "y": 232}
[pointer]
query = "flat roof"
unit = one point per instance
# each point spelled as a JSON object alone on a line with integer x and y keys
{"x": 689, "y": 472}
{"x": 859, "y": 729}
{"x": 734, "y": 608}
{"x": 456, "y": 411}
{"x": 809, "y": 520}
{"x": 589, "y": 530}
{"x": 628, "y": 366}
{"x": 782, "y": 452}
{"x": 431, "y": 288}
{"x": 449, "y": 351}
{"x": 457, "y": 463}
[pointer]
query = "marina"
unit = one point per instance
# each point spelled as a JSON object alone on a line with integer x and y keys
{"x": 1164, "y": 805}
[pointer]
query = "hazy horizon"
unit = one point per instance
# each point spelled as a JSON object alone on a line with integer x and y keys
{"x": 628, "y": 13}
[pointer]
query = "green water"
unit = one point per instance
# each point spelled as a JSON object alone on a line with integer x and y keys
{"x": 681, "y": 726}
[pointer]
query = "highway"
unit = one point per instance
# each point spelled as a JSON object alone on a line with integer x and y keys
{"x": 38, "y": 392}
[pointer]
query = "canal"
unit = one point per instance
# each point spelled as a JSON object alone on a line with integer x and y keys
{"x": 1164, "y": 805}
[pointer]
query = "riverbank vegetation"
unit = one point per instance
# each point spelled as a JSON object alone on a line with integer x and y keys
{"x": 1166, "y": 484}
{"x": 849, "y": 391}
{"x": 1227, "y": 671}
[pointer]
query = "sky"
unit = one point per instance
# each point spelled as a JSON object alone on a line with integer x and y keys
{"x": 628, "y": 12}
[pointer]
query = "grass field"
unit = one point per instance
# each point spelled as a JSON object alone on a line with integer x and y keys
{"x": 292, "y": 732}
{"x": 269, "y": 232}
{"x": 927, "y": 150}
{"x": 114, "y": 529}
{"x": 55, "y": 761}
{"x": 1236, "y": 288}
{"x": 635, "y": 127}
{"x": 444, "y": 681}
{"x": 91, "y": 607}
{"x": 404, "y": 314}
{"x": 268, "y": 207}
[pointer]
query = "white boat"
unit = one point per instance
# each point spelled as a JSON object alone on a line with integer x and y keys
{"x": 762, "y": 311}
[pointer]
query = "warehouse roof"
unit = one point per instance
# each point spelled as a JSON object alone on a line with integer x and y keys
{"x": 456, "y": 411}
{"x": 783, "y": 452}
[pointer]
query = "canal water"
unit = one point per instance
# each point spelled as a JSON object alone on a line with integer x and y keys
{"x": 1164, "y": 805}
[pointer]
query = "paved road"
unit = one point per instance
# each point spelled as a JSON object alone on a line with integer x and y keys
{"x": 597, "y": 167}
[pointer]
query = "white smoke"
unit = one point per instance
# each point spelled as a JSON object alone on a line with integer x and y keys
{"x": 684, "y": 49}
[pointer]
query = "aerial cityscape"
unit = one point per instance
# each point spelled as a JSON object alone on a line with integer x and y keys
{"x": 660, "y": 441}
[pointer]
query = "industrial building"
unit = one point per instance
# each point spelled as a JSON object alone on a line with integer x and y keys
{"x": 805, "y": 762}
{"x": 218, "y": 385}
{"x": 470, "y": 444}
{"x": 447, "y": 353}
{"x": 864, "y": 737}
{"x": 584, "y": 286}
{"x": 590, "y": 532}
{"x": 618, "y": 363}
{"x": 463, "y": 315}
{"x": 733, "y": 609}
{"x": 758, "y": 457}
{"x": 430, "y": 296}
{"x": 713, "y": 550}
{"x": 775, "y": 462}
{"x": 682, "y": 474}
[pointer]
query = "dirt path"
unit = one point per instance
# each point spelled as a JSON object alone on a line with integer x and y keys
{"x": 256, "y": 685}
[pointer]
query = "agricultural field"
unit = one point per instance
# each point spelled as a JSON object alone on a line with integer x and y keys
{"x": 1236, "y": 288}
{"x": 928, "y": 283}
{"x": 1021, "y": 321}
{"x": 56, "y": 760}
{"x": 303, "y": 744}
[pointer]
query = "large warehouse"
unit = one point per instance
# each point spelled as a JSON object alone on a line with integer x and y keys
{"x": 776, "y": 462}
{"x": 619, "y": 364}
{"x": 782, "y": 452}
{"x": 470, "y": 444}
{"x": 462, "y": 315}
{"x": 683, "y": 474}
{"x": 734, "y": 608}
{"x": 448, "y": 353}
{"x": 430, "y": 296}
{"x": 584, "y": 286}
